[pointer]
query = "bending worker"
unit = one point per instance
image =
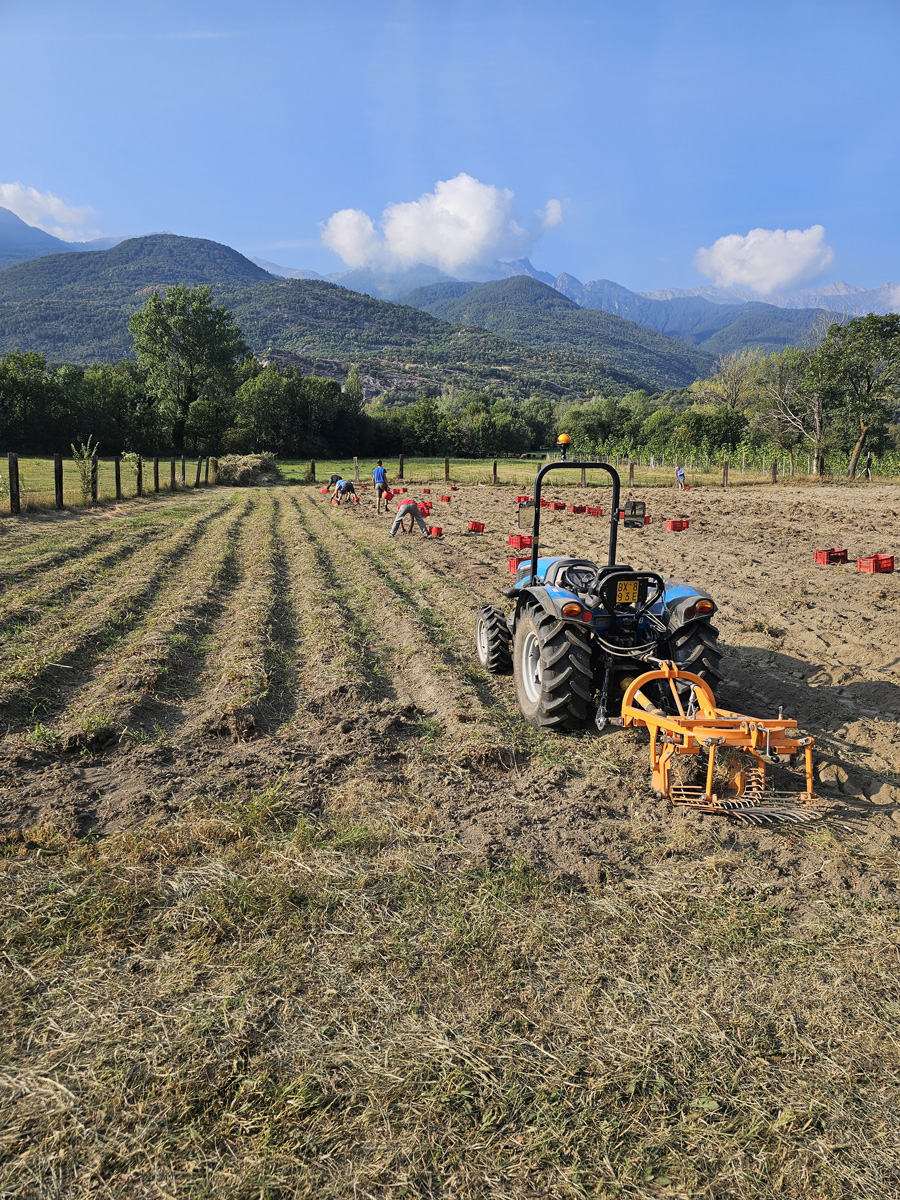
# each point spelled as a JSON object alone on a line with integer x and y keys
{"x": 405, "y": 508}
{"x": 343, "y": 488}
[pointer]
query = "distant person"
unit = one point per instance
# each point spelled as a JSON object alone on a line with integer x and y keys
{"x": 379, "y": 475}
{"x": 679, "y": 478}
{"x": 333, "y": 480}
{"x": 868, "y": 467}
{"x": 344, "y": 489}
{"x": 408, "y": 508}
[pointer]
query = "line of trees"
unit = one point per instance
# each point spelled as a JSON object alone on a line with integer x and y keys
{"x": 194, "y": 386}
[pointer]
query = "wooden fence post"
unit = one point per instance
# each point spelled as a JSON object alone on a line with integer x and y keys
{"x": 400, "y": 470}
{"x": 171, "y": 474}
{"x": 15, "y": 501}
{"x": 215, "y": 470}
{"x": 58, "y": 479}
{"x": 494, "y": 473}
{"x": 95, "y": 473}
{"x": 156, "y": 474}
{"x": 312, "y": 470}
{"x": 774, "y": 469}
{"x": 584, "y": 476}
{"x": 355, "y": 469}
{"x": 117, "y": 467}
{"x": 631, "y": 474}
{"x": 197, "y": 479}
{"x": 446, "y": 470}
{"x": 183, "y": 469}
{"x": 724, "y": 472}
{"x": 140, "y": 476}
{"x": 206, "y": 473}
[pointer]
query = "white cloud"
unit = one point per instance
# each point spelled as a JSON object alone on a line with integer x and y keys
{"x": 766, "y": 259}
{"x": 461, "y": 223}
{"x": 47, "y": 212}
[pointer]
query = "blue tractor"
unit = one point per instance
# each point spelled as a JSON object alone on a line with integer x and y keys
{"x": 580, "y": 633}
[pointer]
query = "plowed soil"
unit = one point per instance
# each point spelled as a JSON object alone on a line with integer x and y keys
{"x": 154, "y": 656}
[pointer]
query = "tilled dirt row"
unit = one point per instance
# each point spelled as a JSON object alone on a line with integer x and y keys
{"x": 321, "y": 657}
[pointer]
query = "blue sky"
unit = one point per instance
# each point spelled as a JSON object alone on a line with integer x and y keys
{"x": 660, "y": 127}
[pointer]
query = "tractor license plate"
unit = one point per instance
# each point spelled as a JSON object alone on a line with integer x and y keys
{"x": 627, "y": 591}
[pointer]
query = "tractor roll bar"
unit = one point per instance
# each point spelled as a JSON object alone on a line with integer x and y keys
{"x": 613, "y": 516}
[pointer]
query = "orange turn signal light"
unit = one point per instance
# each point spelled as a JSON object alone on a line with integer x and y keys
{"x": 571, "y": 609}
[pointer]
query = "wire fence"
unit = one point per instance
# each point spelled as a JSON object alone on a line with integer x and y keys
{"x": 57, "y": 482}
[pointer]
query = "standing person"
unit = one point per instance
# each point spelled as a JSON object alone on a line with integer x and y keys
{"x": 408, "y": 507}
{"x": 679, "y": 478}
{"x": 381, "y": 485}
{"x": 343, "y": 488}
{"x": 868, "y": 467}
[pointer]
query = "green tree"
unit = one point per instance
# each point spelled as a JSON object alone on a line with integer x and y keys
{"x": 860, "y": 364}
{"x": 188, "y": 349}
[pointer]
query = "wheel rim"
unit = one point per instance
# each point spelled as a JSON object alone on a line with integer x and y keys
{"x": 531, "y": 667}
{"x": 481, "y": 639}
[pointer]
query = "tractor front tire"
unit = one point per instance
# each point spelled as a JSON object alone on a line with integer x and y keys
{"x": 552, "y": 668}
{"x": 492, "y": 640}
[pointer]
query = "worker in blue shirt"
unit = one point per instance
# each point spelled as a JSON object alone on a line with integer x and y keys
{"x": 379, "y": 475}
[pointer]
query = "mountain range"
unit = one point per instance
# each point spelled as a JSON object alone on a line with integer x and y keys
{"x": 513, "y": 328}
{"x": 75, "y": 308}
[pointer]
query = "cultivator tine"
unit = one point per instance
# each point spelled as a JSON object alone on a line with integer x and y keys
{"x": 709, "y": 729}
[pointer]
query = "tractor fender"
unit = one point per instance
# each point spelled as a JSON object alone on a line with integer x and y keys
{"x": 536, "y": 595}
{"x": 678, "y": 601}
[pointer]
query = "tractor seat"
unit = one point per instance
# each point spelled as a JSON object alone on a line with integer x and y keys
{"x": 557, "y": 573}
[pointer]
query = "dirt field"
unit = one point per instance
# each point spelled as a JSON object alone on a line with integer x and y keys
{"x": 142, "y": 651}
{"x": 178, "y": 677}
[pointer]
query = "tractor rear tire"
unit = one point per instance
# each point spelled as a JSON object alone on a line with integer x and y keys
{"x": 695, "y": 648}
{"x": 552, "y": 668}
{"x": 492, "y": 640}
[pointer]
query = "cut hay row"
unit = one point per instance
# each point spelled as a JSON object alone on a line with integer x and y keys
{"x": 404, "y": 621}
{"x": 240, "y": 670}
{"x": 37, "y": 660}
{"x": 143, "y": 660}
{"x": 21, "y": 558}
{"x": 335, "y": 617}
{"x": 28, "y": 600}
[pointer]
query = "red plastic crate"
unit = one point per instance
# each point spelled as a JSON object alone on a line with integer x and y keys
{"x": 476, "y": 527}
{"x": 577, "y": 508}
{"x": 677, "y": 526}
{"x": 426, "y": 491}
{"x": 876, "y": 564}
{"x": 453, "y": 487}
{"x": 403, "y": 489}
{"x": 545, "y": 503}
{"x": 557, "y": 506}
{"x": 515, "y": 563}
{"x": 827, "y": 557}
{"x": 594, "y": 512}
{"x": 523, "y": 499}
{"x": 445, "y": 499}
{"x": 424, "y": 510}
{"x": 436, "y": 530}
{"x": 520, "y": 541}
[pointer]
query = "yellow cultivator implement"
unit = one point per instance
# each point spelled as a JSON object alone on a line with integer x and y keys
{"x": 733, "y": 750}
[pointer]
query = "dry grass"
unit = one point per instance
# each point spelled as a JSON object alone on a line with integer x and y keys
{"x": 256, "y": 1003}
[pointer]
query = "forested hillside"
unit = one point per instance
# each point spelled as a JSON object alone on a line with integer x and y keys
{"x": 75, "y": 308}
{"x": 528, "y": 311}
{"x": 715, "y": 328}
